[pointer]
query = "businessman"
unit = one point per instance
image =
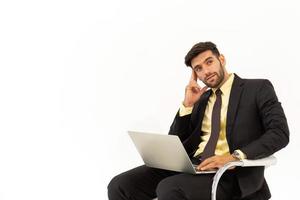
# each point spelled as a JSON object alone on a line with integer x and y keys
{"x": 229, "y": 119}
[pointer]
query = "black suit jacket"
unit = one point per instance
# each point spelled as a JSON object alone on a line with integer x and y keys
{"x": 256, "y": 124}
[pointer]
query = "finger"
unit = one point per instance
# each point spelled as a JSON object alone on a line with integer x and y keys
{"x": 194, "y": 84}
{"x": 209, "y": 163}
{"x": 202, "y": 164}
{"x": 204, "y": 89}
{"x": 205, "y": 162}
{"x": 205, "y": 167}
{"x": 193, "y": 88}
{"x": 210, "y": 166}
{"x": 193, "y": 76}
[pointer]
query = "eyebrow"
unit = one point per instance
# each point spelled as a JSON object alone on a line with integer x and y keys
{"x": 210, "y": 57}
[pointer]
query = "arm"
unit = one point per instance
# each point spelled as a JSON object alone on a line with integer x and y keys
{"x": 276, "y": 135}
{"x": 182, "y": 125}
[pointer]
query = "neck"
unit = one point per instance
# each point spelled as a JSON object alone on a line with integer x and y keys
{"x": 226, "y": 76}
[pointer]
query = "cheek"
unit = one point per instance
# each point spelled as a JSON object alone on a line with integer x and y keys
{"x": 201, "y": 78}
{"x": 217, "y": 68}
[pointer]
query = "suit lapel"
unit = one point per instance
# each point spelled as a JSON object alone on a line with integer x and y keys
{"x": 201, "y": 109}
{"x": 234, "y": 99}
{"x": 192, "y": 142}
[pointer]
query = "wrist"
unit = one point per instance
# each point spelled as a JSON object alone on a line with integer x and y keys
{"x": 187, "y": 104}
{"x": 238, "y": 155}
{"x": 233, "y": 158}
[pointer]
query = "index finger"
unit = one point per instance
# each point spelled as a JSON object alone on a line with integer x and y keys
{"x": 205, "y": 162}
{"x": 193, "y": 76}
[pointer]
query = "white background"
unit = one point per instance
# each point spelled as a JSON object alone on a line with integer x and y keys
{"x": 76, "y": 75}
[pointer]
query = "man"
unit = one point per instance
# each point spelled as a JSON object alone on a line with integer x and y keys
{"x": 235, "y": 119}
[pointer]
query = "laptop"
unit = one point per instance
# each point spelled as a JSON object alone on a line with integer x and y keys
{"x": 164, "y": 152}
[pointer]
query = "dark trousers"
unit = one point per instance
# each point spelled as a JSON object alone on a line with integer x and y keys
{"x": 145, "y": 183}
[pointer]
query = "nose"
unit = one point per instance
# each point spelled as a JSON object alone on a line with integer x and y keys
{"x": 206, "y": 71}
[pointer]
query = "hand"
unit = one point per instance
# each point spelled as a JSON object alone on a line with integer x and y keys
{"x": 193, "y": 91}
{"x": 215, "y": 162}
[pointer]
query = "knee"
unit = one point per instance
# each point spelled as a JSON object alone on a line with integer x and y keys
{"x": 119, "y": 186}
{"x": 112, "y": 187}
{"x": 161, "y": 188}
{"x": 167, "y": 190}
{"x": 115, "y": 187}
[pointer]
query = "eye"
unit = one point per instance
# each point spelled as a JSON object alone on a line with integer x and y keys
{"x": 197, "y": 69}
{"x": 209, "y": 62}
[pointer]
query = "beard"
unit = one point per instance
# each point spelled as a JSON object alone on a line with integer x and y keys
{"x": 219, "y": 78}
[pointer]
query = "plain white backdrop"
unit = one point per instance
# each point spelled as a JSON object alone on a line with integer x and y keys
{"x": 76, "y": 75}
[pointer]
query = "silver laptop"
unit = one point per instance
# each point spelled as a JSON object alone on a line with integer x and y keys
{"x": 164, "y": 152}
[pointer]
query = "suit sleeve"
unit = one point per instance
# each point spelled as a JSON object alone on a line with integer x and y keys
{"x": 181, "y": 126}
{"x": 276, "y": 132}
{"x": 184, "y": 125}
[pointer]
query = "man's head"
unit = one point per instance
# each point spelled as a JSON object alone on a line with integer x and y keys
{"x": 208, "y": 64}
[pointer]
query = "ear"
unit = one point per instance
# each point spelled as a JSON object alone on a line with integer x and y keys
{"x": 222, "y": 60}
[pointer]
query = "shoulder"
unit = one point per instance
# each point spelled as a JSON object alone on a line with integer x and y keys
{"x": 260, "y": 89}
{"x": 254, "y": 83}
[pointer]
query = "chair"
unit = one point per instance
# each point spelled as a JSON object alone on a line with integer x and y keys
{"x": 266, "y": 162}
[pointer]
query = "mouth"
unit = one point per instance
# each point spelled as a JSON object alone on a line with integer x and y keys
{"x": 210, "y": 77}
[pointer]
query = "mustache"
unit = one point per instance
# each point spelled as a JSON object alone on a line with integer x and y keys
{"x": 209, "y": 76}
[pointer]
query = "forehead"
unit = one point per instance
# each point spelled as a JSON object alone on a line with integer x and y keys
{"x": 201, "y": 57}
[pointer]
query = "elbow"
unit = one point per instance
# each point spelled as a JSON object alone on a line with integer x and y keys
{"x": 284, "y": 139}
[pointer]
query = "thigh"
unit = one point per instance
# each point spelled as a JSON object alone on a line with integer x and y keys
{"x": 195, "y": 187}
{"x": 138, "y": 183}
